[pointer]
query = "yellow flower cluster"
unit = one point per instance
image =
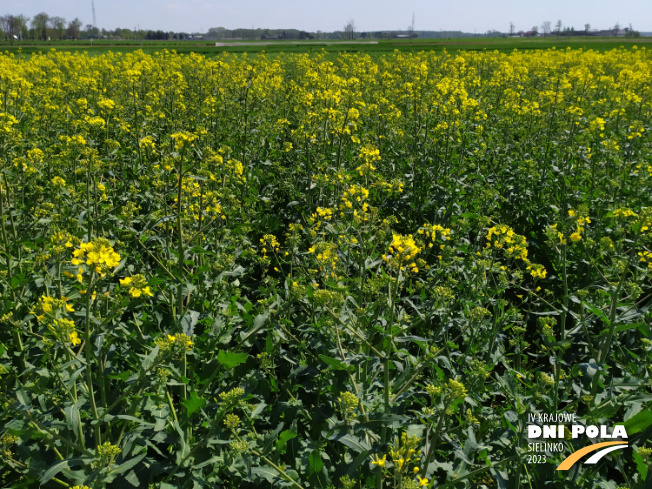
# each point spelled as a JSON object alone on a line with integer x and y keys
{"x": 553, "y": 232}
{"x": 231, "y": 421}
{"x": 231, "y": 397}
{"x": 49, "y": 306}
{"x": 98, "y": 254}
{"x": 271, "y": 241}
{"x": 106, "y": 453}
{"x": 147, "y": 143}
{"x": 61, "y": 240}
{"x": 435, "y": 232}
{"x": 137, "y": 285}
{"x": 646, "y": 257}
{"x": 537, "y": 271}
{"x": 455, "y": 389}
{"x": 503, "y": 237}
{"x": 64, "y": 330}
{"x": 403, "y": 250}
{"x": 323, "y": 213}
{"x": 354, "y": 199}
{"x": 369, "y": 154}
{"x": 106, "y": 103}
{"x": 198, "y": 204}
{"x": 326, "y": 255}
{"x": 183, "y": 140}
{"x": 348, "y": 404}
{"x": 169, "y": 342}
{"x": 581, "y": 219}
{"x": 58, "y": 182}
{"x": 183, "y": 340}
{"x": 515, "y": 247}
{"x": 355, "y": 192}
{"x": 391, "y": 187}
{"x": 624, "y": 212}
{"x": 404, "y": 453}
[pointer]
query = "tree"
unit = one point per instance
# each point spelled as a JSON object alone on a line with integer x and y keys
{"x": 124, "y": 33}
{"x": 73, "y": 28}
{"x": 217, "y": 32}
{"x": 58, "y": 25}
{"x": 587, "y": 29}
{"x": 5, "y": 26}
{"x": 349, "y": 30}
{"x": 535, "y": 30}
{"x": 92, "y": 32}
{"x": 630, "y": 32}
{"x": 616, "y": 29}
{"x": 21, "y": 23}
{"x": 14, "y": 26}
{"x": 40, "y": 26}
{"x": 545, "y": 27}
{"x": 558, "y": 27}
{"x": 511, "y": 28}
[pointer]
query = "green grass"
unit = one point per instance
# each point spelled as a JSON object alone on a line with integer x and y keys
{"x": 410, "y": 45}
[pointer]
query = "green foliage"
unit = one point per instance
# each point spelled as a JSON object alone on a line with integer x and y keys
{"x": 322, "y": 271}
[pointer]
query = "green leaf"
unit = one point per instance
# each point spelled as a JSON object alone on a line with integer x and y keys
{"x": 643, "y": 328}
{"x": 124, "y": 375}
{"x": 23, "y": 398}
{"x": 315, "y": 463}
{"x": 121, "y": 265}
{"x": 270, "y": 438}
{"x": 58, "y": 467}
{"x": 352, "y": 442}
{"x": 132, "y": 478}
{"x": 268, "y": 473}
{"x": 231, "y": 359}
{"x": 122, "y": 468}
{"x": 15, "y": 427}
{"x": 164, "y": 219}
{"x": 641, "y": 466}
{"x": 150, "y": 359}
{"x": 638, "y": 422}
{"x": 182, "y": 442}
{"x": 599, "y": 314}
{"x": 259, "y": 322}
{"x": 136, "y": 420}
{"x": 72, "y": 419}
{"x": 378, "y": 421}
{"x": 188, "y": 322}
{"x": 283, "y": 438}
{"x": 334, "y": 363}
{"x": 193, "y": 403}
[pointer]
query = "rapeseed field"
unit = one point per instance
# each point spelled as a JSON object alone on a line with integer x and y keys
{"x": 308, "y": 270}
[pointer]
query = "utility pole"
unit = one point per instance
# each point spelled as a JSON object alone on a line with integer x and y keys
{"x": 411, "y": 28}
{"x": 94, "y": 19}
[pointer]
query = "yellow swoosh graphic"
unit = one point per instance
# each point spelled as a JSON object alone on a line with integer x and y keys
{"x": 575, "y": 456}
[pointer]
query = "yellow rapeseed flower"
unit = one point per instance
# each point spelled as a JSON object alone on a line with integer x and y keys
{"x": 98, "y": 254}
{"x": 380, "y": 462}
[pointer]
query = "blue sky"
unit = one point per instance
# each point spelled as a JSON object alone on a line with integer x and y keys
{"x": 466, "y": 15}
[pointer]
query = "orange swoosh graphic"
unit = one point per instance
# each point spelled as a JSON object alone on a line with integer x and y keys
{"x": 575, "y": 456}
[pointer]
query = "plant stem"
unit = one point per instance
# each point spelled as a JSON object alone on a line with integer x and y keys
{"x": 89, "y": 360}
{"x": 181, "y": 258}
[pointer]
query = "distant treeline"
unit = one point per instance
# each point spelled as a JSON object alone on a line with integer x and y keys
{"x": 45, "y": 27}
